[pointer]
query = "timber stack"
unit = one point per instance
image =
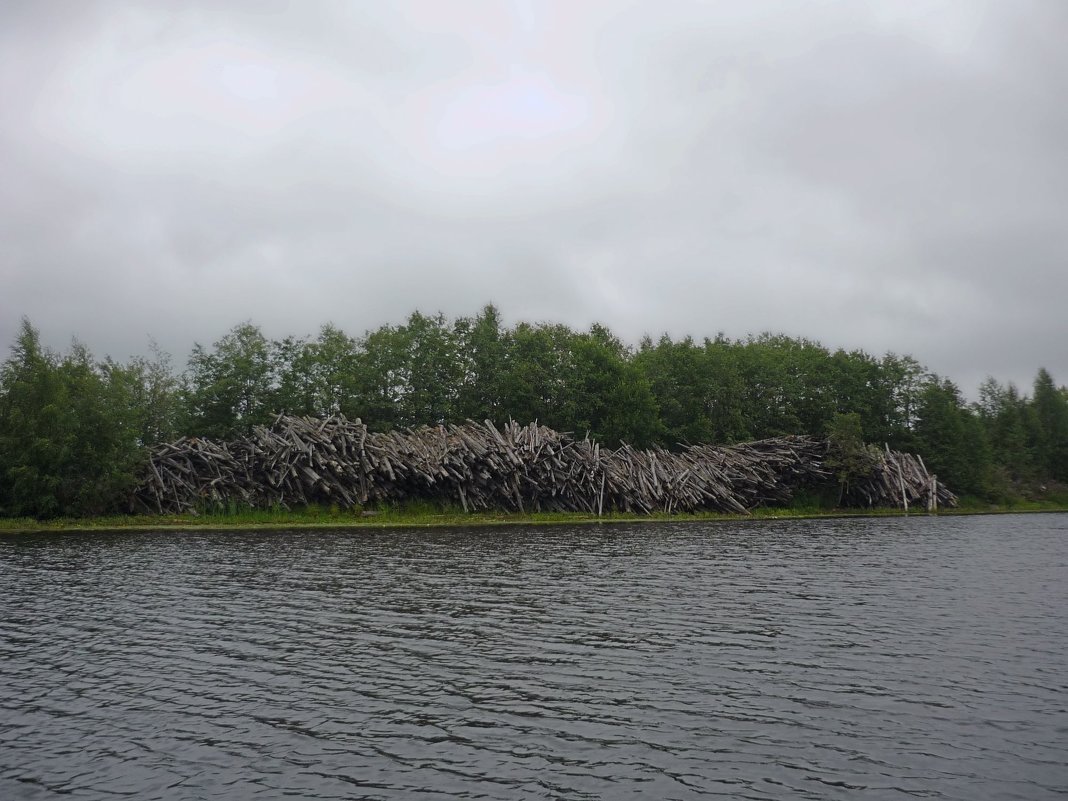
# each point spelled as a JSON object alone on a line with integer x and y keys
{"x": 898, "y": 479}
{"x": 523, "y": 468}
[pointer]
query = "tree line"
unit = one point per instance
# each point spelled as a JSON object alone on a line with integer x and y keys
{"x": 74, "y": 429}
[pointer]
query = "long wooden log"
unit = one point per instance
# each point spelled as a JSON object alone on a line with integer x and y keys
{"x": 512, "y": 467}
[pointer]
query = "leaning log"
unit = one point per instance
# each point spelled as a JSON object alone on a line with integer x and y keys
{"x": 521, "y": 468}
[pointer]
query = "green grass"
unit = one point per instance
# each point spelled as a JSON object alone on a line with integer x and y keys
{"x": 1052, "y": 502}
{"x": 422, "y": 514}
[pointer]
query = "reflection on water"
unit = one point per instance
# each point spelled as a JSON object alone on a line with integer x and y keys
{"x": 818, "y": 659}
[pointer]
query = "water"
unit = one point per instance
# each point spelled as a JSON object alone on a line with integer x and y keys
{"x": 810, "y": 659}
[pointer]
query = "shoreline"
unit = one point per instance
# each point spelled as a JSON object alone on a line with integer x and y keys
{"x": 311, "y": 519}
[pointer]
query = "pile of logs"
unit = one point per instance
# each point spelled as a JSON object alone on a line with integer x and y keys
{"x": 899, "y": 479}
{"x": 299, "y": 461}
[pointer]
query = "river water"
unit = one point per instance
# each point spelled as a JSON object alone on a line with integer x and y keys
{"x": 884, "y": 658}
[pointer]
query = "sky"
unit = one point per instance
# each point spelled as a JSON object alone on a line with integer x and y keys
{"x": 887, "y": 176}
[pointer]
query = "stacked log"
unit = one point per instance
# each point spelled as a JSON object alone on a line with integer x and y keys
{"x": 302, "y": 460}
{"x": 901, "y": 480}
{"x": 524, "y": 468}
{"x": 193, "y": 472}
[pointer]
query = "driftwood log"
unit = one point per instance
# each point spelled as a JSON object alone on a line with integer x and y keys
{"x": 300, "y": 460}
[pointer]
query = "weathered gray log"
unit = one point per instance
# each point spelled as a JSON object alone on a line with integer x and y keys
{"x": 298, "y": 461}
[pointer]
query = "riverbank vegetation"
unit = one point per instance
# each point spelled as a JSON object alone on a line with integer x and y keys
{"x": 423, "y": 515}
{"x": 74, "y": 429}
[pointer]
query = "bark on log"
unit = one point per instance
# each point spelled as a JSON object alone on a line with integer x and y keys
{"x": 298, "y": 461}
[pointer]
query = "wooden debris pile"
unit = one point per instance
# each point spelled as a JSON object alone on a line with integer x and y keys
{"x": 479, "y": 466}
{"x": 189, "y": 473}
{"x": 901, "y": 480}
{"x": 302, "y": 460}
{"x": 767, "y": 472}
{"x": 298, "y": 461}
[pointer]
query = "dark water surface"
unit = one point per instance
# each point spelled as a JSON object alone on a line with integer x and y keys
{"x": 919, "y": 658}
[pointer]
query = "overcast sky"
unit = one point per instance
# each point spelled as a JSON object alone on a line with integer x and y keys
{"x": 891, "y": 176}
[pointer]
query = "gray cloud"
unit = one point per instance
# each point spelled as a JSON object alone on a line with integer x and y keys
{"x": 876, "y": 176}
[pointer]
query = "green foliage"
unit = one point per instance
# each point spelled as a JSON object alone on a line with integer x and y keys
{"x": 433, "y": 370}
{"x": 1007, "y": 418}
{"x": 1049, "y": 427}
{"x": 379, "y": 379}
{"x": 952, "y": 440}
{"x": 904, "y": 380}
{"x": 605, "y": 394}
{"x": 785, "y": 385}
{"x": 154, "y": 396}
{"x": 849, "y": 457}
{"x": 231, "y": 387}
{"x": 70, "y": 431}
{"x": 404, "y": 375}
{"x": 684, "y": 388}
{"x": 315, "y": 378}
{"x": 861, "y": 385}
{"x": 536, "y": 367}
{"x": 482, "y": 347}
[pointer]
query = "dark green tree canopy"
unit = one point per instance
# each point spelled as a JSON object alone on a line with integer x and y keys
{"x": 70, "y": 430}
{"x": 73, "y": 429}
{"x": 232, "y": 386}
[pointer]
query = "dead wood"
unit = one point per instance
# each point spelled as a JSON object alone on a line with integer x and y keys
{"x": 521, "y": 468}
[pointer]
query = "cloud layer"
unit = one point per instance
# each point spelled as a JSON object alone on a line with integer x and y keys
{"x": 888, "y": 177}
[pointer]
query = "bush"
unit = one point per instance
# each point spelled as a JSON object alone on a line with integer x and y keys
{"x": 69, "y": 441}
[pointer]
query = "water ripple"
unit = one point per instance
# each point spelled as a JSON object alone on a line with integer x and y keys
{"x": 883, "y": 659}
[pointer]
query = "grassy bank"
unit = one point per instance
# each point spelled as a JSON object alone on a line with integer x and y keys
{"x": 428, "y": 515}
